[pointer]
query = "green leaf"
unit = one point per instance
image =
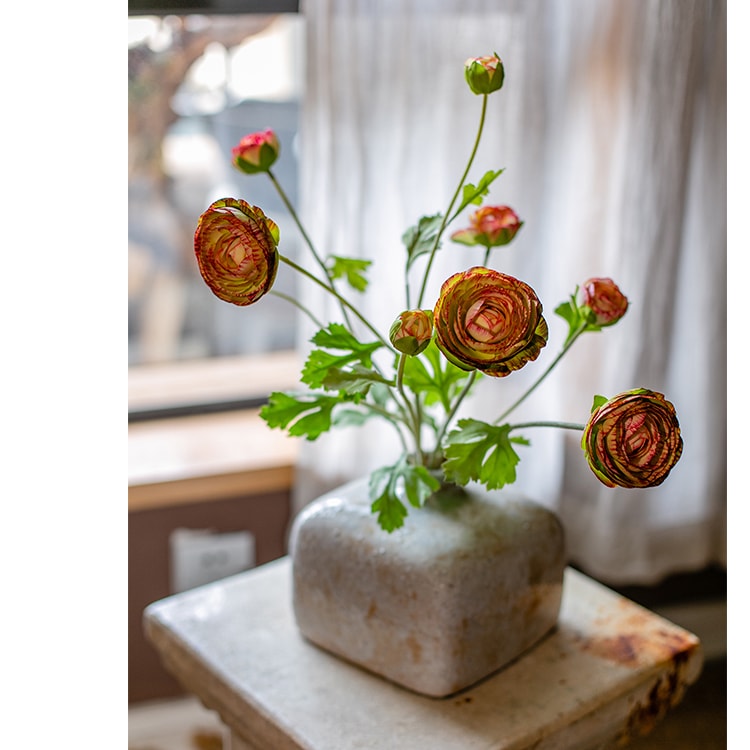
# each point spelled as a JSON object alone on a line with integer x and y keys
{"x": 389, "y": 483}
{"x": 598, "y": 401}
{"x": 434, "y": 377}
{"x": 481, "y": 452}
{"x": 420, "y": 239}
{"x": 306, "y": 415}
{"x": 352, "y": 269}
{"x": 321, "y": 365}
{"x": 474, "y": 194}
{"x": 576, "y": 315}
{"x": 358, "y": 379}
{"x": 352, "y": 417}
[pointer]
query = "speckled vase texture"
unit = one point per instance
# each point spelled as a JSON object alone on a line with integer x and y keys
{"x": 458, "y": 592}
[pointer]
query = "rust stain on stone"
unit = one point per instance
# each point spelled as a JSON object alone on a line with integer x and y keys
{"x": 415, "y": 649}
{"x": 665, "y": 693}
{"x": 634, "y": 647}
{"x": 373, "y": 608}
{"x": 462, "y": 701}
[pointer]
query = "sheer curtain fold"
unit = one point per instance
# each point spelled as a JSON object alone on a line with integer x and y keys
{"x": 611, "y": 128}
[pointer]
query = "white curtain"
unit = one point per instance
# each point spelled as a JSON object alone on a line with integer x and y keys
{"x": 611, "y": 127}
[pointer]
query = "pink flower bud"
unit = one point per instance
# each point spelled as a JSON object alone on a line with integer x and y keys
{"x": 235, "y": 245}
{"x": 484, "y": 74}
{"x": 256, "y": 152}
{"x": 411, "y": 332}
{"x": 605, "y": 300}
{"x": 491, "y": 226}
{"x": 633, "y": 440}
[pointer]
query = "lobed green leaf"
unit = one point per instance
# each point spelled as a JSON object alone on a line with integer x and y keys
{"x": 420, "y": 238}
{"x": 481, "y": 452}
{"x": 351, "y": 269}
{"x": 388, "y": 483}
{"x": 474, "y": 194}
{"x": 306, "y": 415}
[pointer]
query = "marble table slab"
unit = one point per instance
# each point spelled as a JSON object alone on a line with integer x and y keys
{"x": 608, "y": 673}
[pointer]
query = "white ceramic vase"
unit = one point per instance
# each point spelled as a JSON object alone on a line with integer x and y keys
{"x": 467, "y": 585}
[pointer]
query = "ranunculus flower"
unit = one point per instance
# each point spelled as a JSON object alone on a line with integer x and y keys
{"x": 235, "y": 244}
{"x": 633, "y": 440}
{"x": 491, "y": 226}
{"x": 605, "y": 300}
{"x": 256, "y": 152}
{"x": 411, "y": 332}
{"x": 484, "y": 74}
{"x": 489, "y": 321}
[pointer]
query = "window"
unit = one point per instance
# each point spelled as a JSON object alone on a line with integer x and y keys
{"x": 197, "y": 84}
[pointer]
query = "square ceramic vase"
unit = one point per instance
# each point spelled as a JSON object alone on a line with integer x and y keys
{"x": 457, "y": 593}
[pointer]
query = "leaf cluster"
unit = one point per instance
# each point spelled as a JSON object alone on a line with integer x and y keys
{"x": 341, "y": 366}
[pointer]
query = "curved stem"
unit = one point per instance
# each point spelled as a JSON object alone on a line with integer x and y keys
{"x": 298, "y": 305}
{"x": 344, "y": 302}
{"x": 561, "y": 425}
{"x": 454, "y": 409}
{"x": 445, "y": 222}
{"x": 565, "y": 348}
{"x": 306, "y": 238}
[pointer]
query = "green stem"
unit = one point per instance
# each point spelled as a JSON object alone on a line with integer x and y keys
{"x": 298, "y": 305}
{"x": 415, "y": 421}
{"x": 394, "y": 419}
{"x": 344, "y": 302}
{"x": 444, "y": 223}
{"x": 565, "y": 348}
{"x": 308, "y": 241}
{"x": 454, "y": 409}
{"x": 561, "y": 425}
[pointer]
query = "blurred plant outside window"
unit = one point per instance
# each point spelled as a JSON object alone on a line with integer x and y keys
{"x": 196, "y": 85}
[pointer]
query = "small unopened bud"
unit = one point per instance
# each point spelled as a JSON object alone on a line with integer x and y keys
{"x": 605, "y": 300}
{"x": 256, "y": 152}
{"x": 484, "y": 74}
{"x": 411, "y": 332}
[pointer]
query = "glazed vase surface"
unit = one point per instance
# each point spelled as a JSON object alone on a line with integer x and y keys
{"x": 461, "y": 590}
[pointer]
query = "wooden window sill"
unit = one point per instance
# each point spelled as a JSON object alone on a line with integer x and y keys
{"x": 208, "y": 456}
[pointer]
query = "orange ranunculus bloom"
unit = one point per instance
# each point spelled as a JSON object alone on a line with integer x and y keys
{"x": 235, "y": 245}
{"x": 490, "y": 226}
{"x": 256, "y": 152}
{"x": 605, "y": 300}
{"x": 489, "y": 321}
{"x": 633, "y": 440}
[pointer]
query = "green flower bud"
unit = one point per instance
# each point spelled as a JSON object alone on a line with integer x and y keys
{"x": 411, "y": 332}
{"x": 484, "y": 74}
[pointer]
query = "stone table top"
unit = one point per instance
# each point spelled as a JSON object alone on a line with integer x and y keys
{"x": 608, "y": 673}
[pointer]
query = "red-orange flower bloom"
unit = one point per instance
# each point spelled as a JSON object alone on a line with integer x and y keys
{"x": 256, "y": 152}
{"x": 489, "y": 321}
{"x": 235, "y": 245}
{"x": 605, "y": 300}
{"x": 491, "y": 226}
{"x": 633, "y": 440}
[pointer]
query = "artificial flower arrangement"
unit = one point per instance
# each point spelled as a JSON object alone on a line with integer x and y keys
{"x": 484, "y": 323}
